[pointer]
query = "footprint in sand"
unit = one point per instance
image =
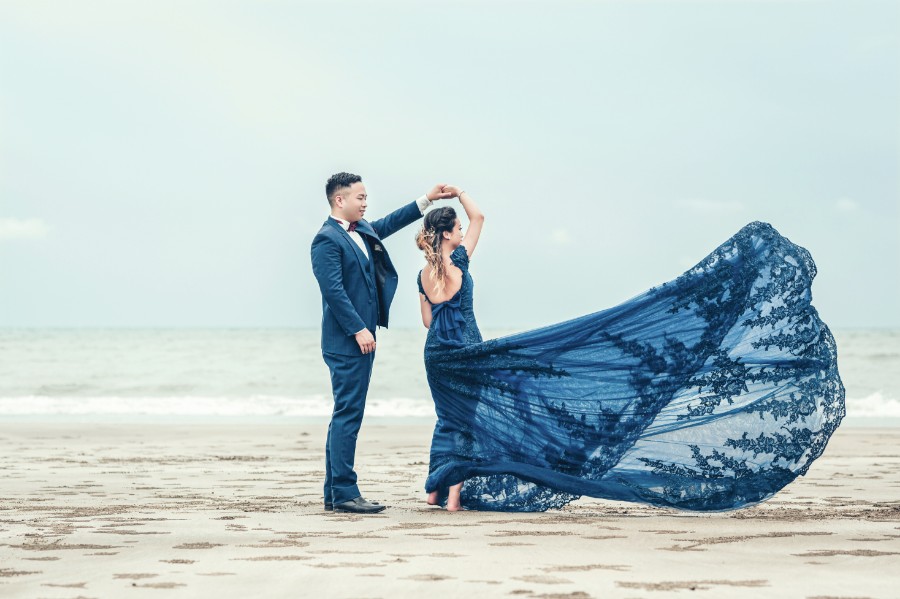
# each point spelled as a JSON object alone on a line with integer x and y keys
{"x": 851, "y": 552}
{"x": 428, "y": 577}
{"x": 272, "y": 558}
{"x": 9, "y": 572}
{"x": 690, "y": 585}
{"x": 542, "y": 579}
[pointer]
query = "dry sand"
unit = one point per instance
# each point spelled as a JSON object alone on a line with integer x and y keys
{"x": 234, "y": 510}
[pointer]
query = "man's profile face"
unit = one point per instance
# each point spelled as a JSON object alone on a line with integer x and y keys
{"x": 352, "y": 202}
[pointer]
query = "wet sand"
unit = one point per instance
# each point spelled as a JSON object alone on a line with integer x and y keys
{"x": 147, "y": 509}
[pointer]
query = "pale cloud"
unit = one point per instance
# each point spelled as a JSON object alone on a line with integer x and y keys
{"x": 560, "y": 236}
{"x": 210, "y": 61}
{"x": 23, "y": 228}
{"x": 846, "y": 205}
{"x": 876, "y": 44}
{"x": 710, "y": 206}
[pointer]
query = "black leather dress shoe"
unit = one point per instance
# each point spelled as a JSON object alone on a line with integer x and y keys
{"x": 329, "y": 507}
{"x": 358, "y": 506}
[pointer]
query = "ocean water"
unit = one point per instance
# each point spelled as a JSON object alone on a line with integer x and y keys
{"x": 280, "y": 373}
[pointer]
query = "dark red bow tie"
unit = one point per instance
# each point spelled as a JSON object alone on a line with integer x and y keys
{"x": 352, "y": 226}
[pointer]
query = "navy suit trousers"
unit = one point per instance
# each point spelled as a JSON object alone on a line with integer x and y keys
{"x": 350, "y": 377}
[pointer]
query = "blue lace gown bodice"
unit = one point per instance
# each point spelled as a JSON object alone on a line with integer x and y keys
{"x": 453, "y": 321}
{"x": 709, "y": 392}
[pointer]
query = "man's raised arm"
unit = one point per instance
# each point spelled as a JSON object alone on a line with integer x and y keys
{"x": 410, "y": 213}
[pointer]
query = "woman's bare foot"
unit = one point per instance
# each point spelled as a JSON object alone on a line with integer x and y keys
{"x": 453, "y": 501}
{"x": 432, "y": 498}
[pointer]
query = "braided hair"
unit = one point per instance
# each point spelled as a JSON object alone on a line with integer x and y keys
{"x": 429, "y": 238}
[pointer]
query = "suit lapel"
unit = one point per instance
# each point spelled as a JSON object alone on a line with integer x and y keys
{"x": 371, "y": 237}
{"x": 360, "y": 257}
{"x": 363, "y": 226}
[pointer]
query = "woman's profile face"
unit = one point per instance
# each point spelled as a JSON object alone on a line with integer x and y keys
{"x": 454, "y": 237}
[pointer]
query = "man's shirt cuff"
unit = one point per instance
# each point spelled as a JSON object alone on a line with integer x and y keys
{"x": 424, "y": 203}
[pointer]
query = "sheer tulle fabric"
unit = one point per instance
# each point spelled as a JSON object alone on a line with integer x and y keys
{"x": 709, "y": 392}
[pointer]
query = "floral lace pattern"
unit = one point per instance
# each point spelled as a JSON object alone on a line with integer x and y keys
{"x": 709, "y": 392}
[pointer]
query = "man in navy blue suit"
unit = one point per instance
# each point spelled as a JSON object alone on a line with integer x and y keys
{"x": 358, "y": 282}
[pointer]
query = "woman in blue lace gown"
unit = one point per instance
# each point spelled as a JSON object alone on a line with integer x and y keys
{"x": 447, "y": 312}
{"x": 709, "y": 392}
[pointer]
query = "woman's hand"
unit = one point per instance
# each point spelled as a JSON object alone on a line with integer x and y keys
{"x": 439, "y": 192}
{"x": 453, "y": 190}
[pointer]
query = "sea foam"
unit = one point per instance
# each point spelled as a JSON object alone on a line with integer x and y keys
{"x": 875, "y": 405}
{"x": 261, "y": 405}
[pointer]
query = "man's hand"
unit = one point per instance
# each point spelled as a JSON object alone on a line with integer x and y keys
{"x": 366, "y": 341}
{"x": 438, "y": 193}
{"x": 453, "y": 190}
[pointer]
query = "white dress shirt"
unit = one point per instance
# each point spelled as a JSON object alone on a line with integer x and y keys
{"x": 423, "y": 202}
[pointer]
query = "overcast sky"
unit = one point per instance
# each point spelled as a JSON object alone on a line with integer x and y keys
{"x": 163, "y": 163}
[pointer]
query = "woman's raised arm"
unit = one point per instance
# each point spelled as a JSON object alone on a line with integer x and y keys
{"x": 474, "y": 214}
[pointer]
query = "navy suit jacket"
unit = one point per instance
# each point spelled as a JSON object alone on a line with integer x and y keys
{"x": 356, "y": 291}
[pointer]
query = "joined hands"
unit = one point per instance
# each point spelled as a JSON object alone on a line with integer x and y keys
{"x": 443, "y": 191}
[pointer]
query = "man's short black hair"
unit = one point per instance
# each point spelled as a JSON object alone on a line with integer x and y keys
{"x": 338, "y": 182}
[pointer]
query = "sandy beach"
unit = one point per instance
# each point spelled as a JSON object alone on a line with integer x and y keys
{"x": 227, "y": 509}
